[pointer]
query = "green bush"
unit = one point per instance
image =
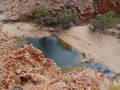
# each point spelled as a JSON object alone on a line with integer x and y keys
{"x": 22, "y": 17}
{"x": 65, "y": 17}
{"x": 103, "y": 21}
{"x": 40, "y": 11}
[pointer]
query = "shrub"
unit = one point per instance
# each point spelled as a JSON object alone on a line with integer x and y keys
{"x": 40, "y": 11}
{"x": 103, "y": 21}
{"x": 47, "y": 21}
{"x": 22, "y": 17}
{"x": 65, "y": 17}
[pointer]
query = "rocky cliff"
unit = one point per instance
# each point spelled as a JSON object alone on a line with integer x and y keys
{"x": 11, "y": 9}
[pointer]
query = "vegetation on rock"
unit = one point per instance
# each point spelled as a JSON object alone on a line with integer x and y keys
{"x": 19, "y": 41}
{"x": 78, "y": 66}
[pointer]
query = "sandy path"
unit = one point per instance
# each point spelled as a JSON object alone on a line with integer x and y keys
{"x": 105, "y": 49}
{"x": 20, "y": 29}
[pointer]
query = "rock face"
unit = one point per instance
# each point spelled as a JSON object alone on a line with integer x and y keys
{"x": 88, "y": 80}
{"x": 6, "y": 44}
{"x": 11, "y": 9}
{"x": 27, "y": 66}
{"x": 104, "y": 6}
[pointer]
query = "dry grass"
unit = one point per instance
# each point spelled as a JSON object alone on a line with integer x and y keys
{"x": 117, "y": 87}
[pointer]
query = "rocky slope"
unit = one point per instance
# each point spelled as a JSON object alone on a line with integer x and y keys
{"x": 28, "y": 68}
{"x": 11, "y": 9}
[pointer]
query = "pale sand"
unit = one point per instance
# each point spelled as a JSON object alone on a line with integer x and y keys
{"x": 23, "y": 29}
{"x": 105, "y": 49}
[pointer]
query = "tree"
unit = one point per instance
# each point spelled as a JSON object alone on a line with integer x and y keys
{"x": 40, "y": 11}
{"x": 103, "y": 21}
{"x": 65, "y": 17}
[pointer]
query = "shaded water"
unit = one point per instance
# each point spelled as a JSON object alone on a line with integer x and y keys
{"x": 63, "y": 54}
{"x": 102, "y": 68}
{"x": 54, "y": 48}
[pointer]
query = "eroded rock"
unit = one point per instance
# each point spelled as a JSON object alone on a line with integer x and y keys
{"x": 89, "y": 80}
{"x": 28, "y": 65}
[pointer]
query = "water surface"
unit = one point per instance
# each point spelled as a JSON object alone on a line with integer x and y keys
{"x": 54, "y": 49}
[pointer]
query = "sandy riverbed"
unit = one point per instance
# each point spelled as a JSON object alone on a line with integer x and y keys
{"x": 105, "y": 49}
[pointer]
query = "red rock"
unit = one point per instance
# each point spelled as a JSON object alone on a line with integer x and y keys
{"x": 24, "y": 66}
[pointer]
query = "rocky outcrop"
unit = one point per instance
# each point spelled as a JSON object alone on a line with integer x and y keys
{"x": 28, "y": 66}
{"x": 88, "y": 80}
{"x": 6, "y": 44}
{"x": 11, "y": 9}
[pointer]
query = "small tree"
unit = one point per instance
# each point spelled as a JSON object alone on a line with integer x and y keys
{"x": 103, "y": 21}
{"x": 40, "y": 11}
{"x": 65, "y": 17}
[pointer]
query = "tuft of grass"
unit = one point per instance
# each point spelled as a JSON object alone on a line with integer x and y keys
{"x": 22, "y": 17}
{"x": 19, "y": 41}
{"x": 78, "y": 66}
{"x": 67, "y": 79}
{"x": 117, "y": 87}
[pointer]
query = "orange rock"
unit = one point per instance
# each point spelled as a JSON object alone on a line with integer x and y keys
{"x": 28, "y": 65}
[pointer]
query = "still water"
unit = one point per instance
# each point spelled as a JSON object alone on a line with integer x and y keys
{"x": 62, "y": 53}
{"x": 53, "y": 48}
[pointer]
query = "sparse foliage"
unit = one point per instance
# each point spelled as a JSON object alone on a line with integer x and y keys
{"x": 67, "y": 79}
{"x": 78, "y": 66}
{"x": 65, "y": 17}
{"x": 22, "y": 17}
{"x": 40, "y": 11}
{"x": 19, "y": 41}
{"x": 103, "y": 21}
